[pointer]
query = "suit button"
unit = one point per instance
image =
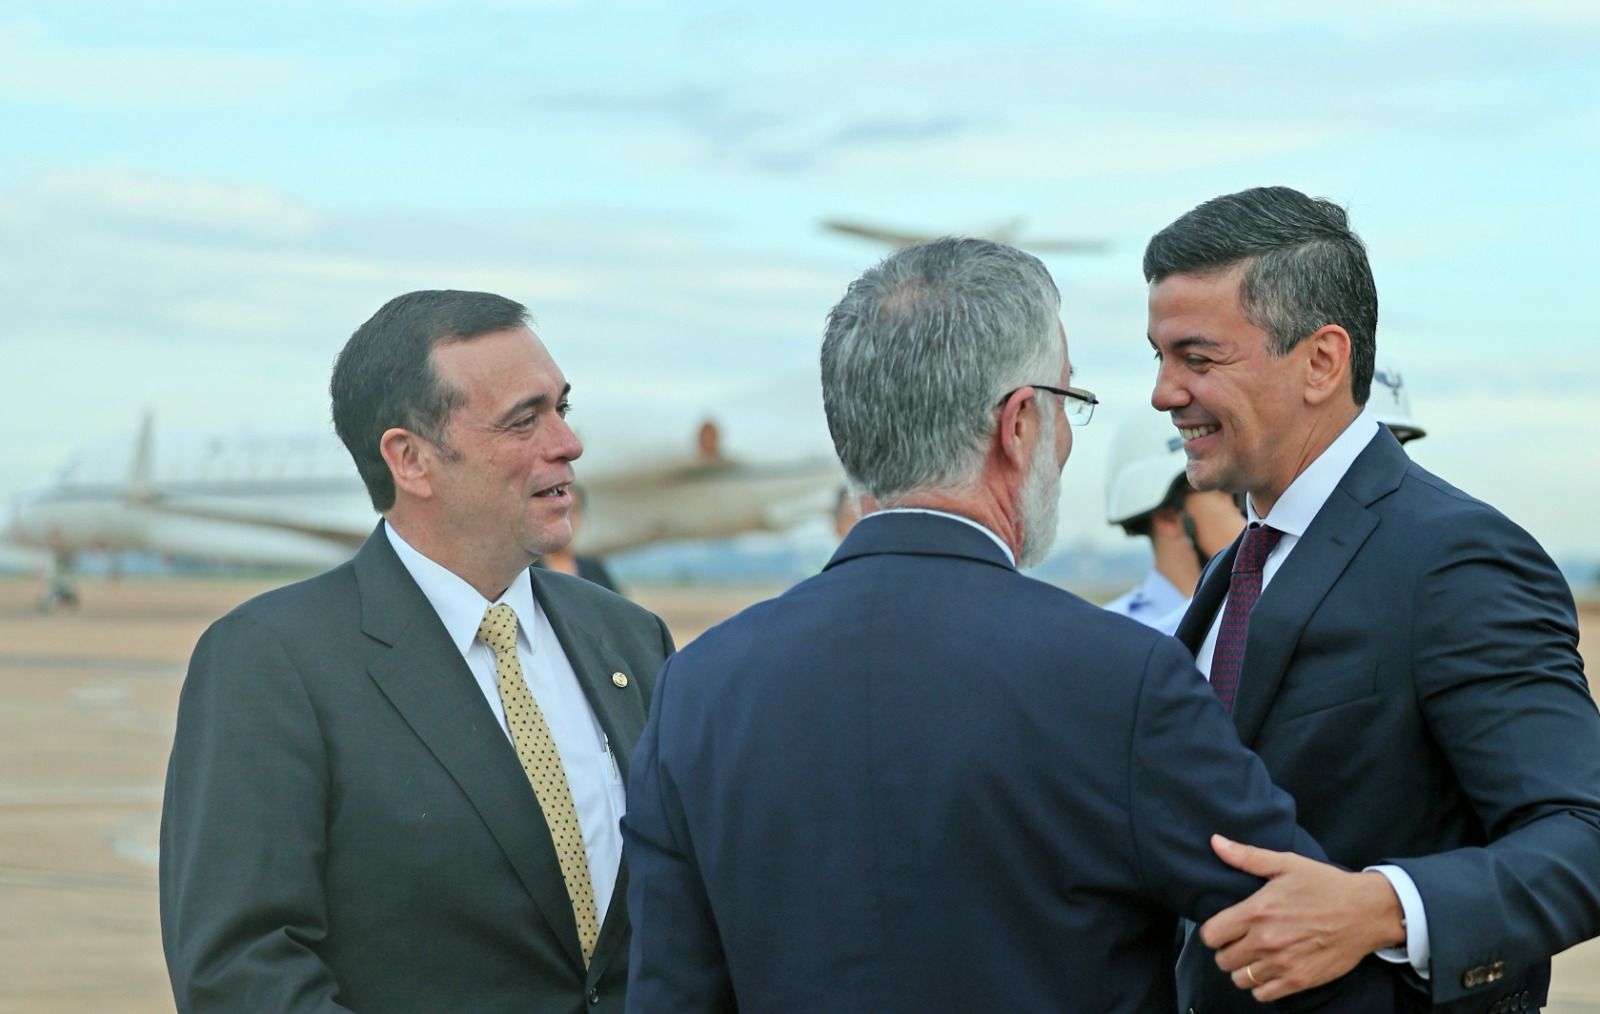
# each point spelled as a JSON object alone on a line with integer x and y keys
{"x": 620, "y": 679}
{"x": 594, "y": 996}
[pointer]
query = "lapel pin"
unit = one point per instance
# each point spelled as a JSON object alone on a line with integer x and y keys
{"x": 620, "y": 679}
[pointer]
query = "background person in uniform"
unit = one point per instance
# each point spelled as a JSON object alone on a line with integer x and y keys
{"x": 567, "y": 560}
{"x": 351, "y": 822}
{"x": 920, "y": 781}
{"x": 1391, "y": 402}
{"x": 1148, "y": 494}
{"x": 1410, "y": 671}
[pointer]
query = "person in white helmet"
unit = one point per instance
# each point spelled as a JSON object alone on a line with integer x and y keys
{"x": 1148, "y": 494}
{"x": 1391, "y": 403}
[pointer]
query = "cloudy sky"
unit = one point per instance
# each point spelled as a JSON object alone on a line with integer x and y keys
{"x": 201, "y": 200}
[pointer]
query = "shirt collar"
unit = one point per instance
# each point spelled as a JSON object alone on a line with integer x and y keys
{"x": 458, "y": 604}
{"x": 1158, "y": 590}
{"x": 1010, "y": 558}
{"x": 1299, "y": 504}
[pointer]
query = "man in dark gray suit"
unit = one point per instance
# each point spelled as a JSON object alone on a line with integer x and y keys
{"x": 351, "y": 822}
{"x": 1409, "y": 671}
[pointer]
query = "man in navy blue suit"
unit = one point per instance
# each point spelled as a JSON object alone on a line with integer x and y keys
{"x": 1409, "y": 672}
{"x": 921, "y": 781}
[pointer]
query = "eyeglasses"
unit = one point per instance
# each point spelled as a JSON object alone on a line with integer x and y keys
{"x": 1077, "y": 403}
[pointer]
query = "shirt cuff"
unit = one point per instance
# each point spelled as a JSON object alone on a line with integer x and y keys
{"x": 1417, "y": 952}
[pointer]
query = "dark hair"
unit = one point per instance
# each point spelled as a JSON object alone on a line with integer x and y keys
{"x": 384, "y": 376}
{"x": 1177, "y": 494}
{"x": 1304, "y": 268}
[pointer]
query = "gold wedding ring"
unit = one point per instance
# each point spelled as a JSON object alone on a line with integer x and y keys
{"x": 1251, "y": 976}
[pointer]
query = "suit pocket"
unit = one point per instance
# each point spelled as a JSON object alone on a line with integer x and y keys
{"x": 1308, "y": 692}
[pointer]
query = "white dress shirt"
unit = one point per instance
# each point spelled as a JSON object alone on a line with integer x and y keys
{"x": 592, "y": 773}
{"x": 1292, "y": 515}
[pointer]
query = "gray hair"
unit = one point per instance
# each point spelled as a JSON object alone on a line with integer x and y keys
{"x": 1304, "y": 268}
{"x": 919, "y": 351}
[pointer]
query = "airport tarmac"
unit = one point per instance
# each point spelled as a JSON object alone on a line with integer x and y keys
{"x": 84, "y": 734}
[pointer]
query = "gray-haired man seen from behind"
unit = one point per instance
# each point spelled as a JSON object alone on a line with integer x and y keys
{"x": 921, "y": 781}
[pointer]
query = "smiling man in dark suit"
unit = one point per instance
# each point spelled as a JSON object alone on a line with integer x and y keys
{"x": 921, "y": 781}
{"x": 396, "y": 786}
{"x": 1409, "y": 670}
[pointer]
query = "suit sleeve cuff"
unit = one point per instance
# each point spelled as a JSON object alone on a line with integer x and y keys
{"x": 1417, "y": 952}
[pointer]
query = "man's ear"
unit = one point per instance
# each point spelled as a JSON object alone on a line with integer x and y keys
{"x": 410, "y": 459}
{"x": 1017, "y": 417}
{"x": 1327, "y": 364}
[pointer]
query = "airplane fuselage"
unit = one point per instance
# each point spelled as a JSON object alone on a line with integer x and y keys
{"x": 294, "y": 499}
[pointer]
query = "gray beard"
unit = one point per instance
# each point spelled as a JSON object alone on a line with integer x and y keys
{"x": 1040, "y": 500}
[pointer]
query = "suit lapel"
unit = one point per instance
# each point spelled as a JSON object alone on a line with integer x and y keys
{"x": 1208, "y": 596}
{"x": 620, "y": 711}
{"x": 428, "y": 682}
{"x": 1331, "y": 541}
{"x": 1286, "y": 605}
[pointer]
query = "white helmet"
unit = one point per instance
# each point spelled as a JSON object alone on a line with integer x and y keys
{"x": 1146, "y": 458}
{"x": 1391, "y": 403}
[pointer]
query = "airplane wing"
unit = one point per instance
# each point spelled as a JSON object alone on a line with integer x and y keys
{"x": 873, "y": 232}
{"x": 702, "y": 499}
{"x": 347, "y": 525}
{"x": 1006, "y": 232}
{"x": 1065, "y": 245}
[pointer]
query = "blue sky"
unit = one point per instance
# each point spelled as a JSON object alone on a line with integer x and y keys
{"x": 202, "y": 200}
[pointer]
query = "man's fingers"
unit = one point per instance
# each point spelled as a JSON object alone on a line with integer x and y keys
{"x": 1260, "y": 862}
{"x": 1248, "y": 978}
{"x": 1236, "y": 954}
{"x": 1264, "y": 981}
{"x": 1226, "y": 927}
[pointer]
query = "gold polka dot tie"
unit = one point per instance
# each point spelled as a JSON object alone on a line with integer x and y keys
{"x": 542, "y": 764}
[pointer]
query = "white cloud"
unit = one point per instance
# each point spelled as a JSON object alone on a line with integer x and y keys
{"x": 148, "y": 291}
{"x": 1089, "y": 155}
{"x": 122, "y": 194}
{"x": 35, "y": 66}
{"x": 662, "y": 252}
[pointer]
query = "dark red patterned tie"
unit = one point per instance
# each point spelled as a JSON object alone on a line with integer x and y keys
{"x": 1244, "y": 587}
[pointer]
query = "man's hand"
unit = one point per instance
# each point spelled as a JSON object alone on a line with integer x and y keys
{"x": 1308, "y": 925}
